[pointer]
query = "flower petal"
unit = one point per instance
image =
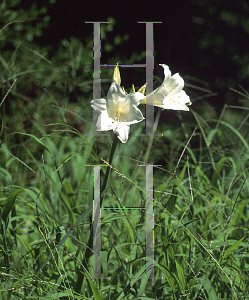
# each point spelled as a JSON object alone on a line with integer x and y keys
{"x": 184, "y": 98}
{"x": 122, "y": 131}
{"x": 157, "y": 96}
{"x": 134, "y": 116}
{"x": 99, "y": 104}
{"x": 177, "y": 102}
{"x": 174, "y": 84}
{"x": 115, "y": 93}
{"x": 167, "y": 73}
{"x": 135, "y": 98}
{"x": 104, "y": 122}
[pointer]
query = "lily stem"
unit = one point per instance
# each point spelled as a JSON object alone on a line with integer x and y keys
{"x": 108, "y": 171}
{"x": 87, "y": 255}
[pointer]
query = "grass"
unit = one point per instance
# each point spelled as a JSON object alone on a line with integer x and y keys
{"x": 46, "y": 192}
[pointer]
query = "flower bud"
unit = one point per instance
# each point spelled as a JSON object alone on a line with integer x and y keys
{"x": 116, "y": 75}
{"x": 142, "y": 89}
{"x": 132, "y": 89}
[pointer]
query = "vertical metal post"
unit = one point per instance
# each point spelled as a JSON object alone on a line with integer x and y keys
{"x": 149, "y": 223}
{"x": 96, "y": 69}
{"x": 96, "y": 225}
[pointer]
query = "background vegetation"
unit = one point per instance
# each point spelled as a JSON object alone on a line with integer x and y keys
{"x": 46, "y": 192}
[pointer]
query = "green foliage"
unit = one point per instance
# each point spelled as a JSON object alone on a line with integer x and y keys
{"x": 222, "y": 30}
{"x": 46, "y": 191}
{"x": 21, "y": 25}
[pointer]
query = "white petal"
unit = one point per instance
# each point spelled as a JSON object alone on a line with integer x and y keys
{"x": 174, "y": 84}
{"x": 122, "y": 131}
{"x": 115, "y": 93}
{"x": 104, "y": 122}
{"x": 184, "y": 98}
{"x": 157, "y": 96}
{"x": 135, "y": 98}
{"x": 169, "y": 105}
{"x": 177, "y": 102}
{"x": 167, "y": 73}
{"x": 148, "y": 99}
{"x": 99, "y": 104}
{"x": 134, "y": 116}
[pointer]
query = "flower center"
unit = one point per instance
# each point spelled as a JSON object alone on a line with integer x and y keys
{"x": 119, "y": 111}
{"x": 174, "y": 101}
{"x": 118, "y": 116}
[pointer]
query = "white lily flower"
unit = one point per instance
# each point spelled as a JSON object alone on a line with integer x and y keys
{"x": 170, "y": 94}
{"x": 118, "y": 112}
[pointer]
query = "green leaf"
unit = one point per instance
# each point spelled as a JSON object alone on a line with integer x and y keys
{"x": 9, "y": 203}
{"x": 63, "y": 240}
{"x": 198, "y": 264}
{"x": 239, "y": 213}
{"x": 121, "y": 261}
{"x": 37, "y": 201}
{"x": 143, "y": 284}
{"x": 104, "y": 263}
{"x": 69, "y": 200}
{"x": 211, "y": 136}
{"x": 160, "y": 190}
{"x": 200, "y": 121}
{"x": 181, "y": 276}
{"x": 234, "y": 130}
{"x": 170, "y": 205}
{"x": 69, "y": 191}
{"x": 209, "y": 288}
{"x": 130, "y": 234}
{"x": 231, "y": 249}
{"x": 94, "y": 288}
{"x": 24, "y": 242}
{"x": 34, "y": 137}
{"x": 171, "y": 278}
{"x": 218, "y": 168}
{"x": 181, "y": 176}
{"x": 4, "y": 63}
{"x": 183, "y": 225}
{"x": 220, "y": 135}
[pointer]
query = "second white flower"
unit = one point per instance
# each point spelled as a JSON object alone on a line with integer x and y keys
{"x": 170, "y": 94}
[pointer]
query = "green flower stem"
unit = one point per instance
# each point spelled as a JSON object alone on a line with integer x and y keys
{"x": 90, "y": 241}
{"x": 108, "y": 171}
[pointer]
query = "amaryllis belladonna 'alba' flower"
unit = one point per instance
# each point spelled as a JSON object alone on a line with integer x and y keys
{"x": 118, "y": 112}
{"x": 170, "y": 94}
